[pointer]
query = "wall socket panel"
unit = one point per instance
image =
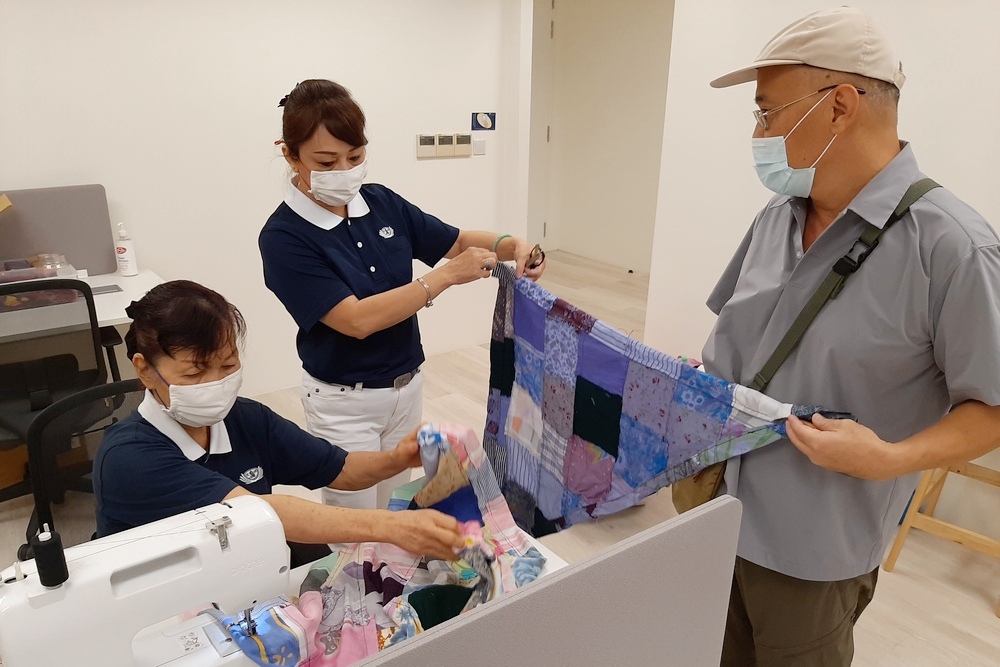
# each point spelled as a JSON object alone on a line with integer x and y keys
{"x": 445, "y": 145}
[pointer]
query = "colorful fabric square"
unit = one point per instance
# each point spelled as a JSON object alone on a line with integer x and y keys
{"x": 614, "y": 420}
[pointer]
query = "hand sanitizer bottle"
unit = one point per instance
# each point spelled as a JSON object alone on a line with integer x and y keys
{"x": 125, "y": 252}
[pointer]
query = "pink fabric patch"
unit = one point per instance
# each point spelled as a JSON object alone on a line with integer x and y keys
{"x": 587, "y": 470}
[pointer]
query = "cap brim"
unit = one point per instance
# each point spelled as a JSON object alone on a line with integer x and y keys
{"x": 747, "y": 74}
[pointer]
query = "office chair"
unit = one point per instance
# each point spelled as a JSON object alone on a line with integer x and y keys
{"x": 62, "y": 442}
{"x": 51, "y": 346}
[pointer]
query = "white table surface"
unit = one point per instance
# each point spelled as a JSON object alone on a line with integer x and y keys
{"x": 110, "y": 307}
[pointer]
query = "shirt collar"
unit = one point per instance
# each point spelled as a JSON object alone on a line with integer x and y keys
{"x": 877, "y": 200}
{"x": 880, "y": 196}
{"x": 218, "y": 436}
{"x": 299, "y": 202}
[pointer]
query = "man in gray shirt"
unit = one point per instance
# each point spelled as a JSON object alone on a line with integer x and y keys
{"x": 911, "y": 346}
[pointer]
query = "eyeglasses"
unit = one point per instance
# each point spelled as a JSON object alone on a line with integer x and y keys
{"x": 761, "y": 116}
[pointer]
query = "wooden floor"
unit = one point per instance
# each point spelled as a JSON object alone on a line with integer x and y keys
{"x": 935, "y": 608}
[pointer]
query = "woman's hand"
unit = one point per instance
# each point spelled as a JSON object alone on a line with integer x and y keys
{"x": 529, "y": 261}
{"x": 427, "y": 533}
{"x": 471, "y": 264}
{"x": 407, "y": 452}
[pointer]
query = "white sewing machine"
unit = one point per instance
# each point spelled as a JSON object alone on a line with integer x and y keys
{"x": 121, "y": 603}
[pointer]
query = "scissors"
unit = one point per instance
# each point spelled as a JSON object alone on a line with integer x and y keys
{"x": 536, "y": 257}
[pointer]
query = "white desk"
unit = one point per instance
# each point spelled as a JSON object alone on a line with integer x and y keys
{"x": 110, "y": 307}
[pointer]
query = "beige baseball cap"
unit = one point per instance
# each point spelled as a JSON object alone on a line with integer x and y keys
{"x": 843, "y": 39}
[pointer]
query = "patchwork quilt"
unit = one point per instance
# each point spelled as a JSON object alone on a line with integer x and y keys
{"x": 584, "y": 421}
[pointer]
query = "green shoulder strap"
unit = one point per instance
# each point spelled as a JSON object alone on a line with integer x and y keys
{"x": 834, "y": 282}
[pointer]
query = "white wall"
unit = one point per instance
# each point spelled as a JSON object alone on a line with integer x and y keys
{"x": 708, "y": 193}
{"x": 610, "y": 63}
{"x": 172, "y": 105}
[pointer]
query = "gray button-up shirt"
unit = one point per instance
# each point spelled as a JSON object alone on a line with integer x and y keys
{"x": 915, "y": 331}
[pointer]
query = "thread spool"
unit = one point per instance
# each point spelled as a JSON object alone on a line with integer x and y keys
{"x": 50, "y": 560}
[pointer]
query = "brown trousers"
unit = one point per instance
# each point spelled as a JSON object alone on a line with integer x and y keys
{"x": 776, "y": 620}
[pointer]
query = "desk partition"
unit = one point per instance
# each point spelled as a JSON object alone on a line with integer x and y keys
{"x": 70, "y": 220}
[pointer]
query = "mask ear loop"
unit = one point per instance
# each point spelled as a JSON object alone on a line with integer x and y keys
{"x": 162, "y": 379}
{"x": 794, "y": 127}
{"x": 811, "y": 109}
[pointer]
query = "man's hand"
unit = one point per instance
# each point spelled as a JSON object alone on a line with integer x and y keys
{"x": 843, "y": 445}
{"x": 427, "y": 533}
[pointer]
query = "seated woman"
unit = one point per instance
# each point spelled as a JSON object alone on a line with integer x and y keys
{"x": 193, "y": 442}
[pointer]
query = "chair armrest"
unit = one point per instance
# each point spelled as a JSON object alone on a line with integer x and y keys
{"x": 109, "y": 339}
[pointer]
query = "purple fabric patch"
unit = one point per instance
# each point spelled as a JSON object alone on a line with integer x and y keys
{"x": 550, "y": 489}
{"x": 587, "y": 471}
{"x": 557, "y": 405}
{"x": 561, "y": 343}
{"x": 646, "y": 455}
{"x": 647, "y": 396}
{"x": 601, "y": 365}
{"x": 529, "y": 321}
{"x": 579, "y": 320}
{"x": 688, "y": 431}
{"x": 496, "y": 404}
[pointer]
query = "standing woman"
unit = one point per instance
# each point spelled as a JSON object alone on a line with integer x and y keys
{"x": 338, "y": 253}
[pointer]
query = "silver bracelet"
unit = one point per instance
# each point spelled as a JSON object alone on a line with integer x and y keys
{"x": 427, "y": 288}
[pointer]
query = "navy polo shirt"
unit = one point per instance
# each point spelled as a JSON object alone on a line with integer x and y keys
{"x": 145, "y": 472}
{"x": 314, "y": 259}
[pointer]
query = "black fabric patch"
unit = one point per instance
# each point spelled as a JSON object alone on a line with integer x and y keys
{"x": 437, "y": 604}
{"x": 597, "y": 415}
{"x": 542, "y": 525}
{"x": 502, "y": 365}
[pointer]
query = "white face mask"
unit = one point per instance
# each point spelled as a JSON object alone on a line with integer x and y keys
{"x": 770, "y": 160}
{"x": 206, "y": 403}
{"x": 338, "y": 188}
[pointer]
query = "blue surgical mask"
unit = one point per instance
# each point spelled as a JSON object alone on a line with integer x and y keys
{"x": 770, "y": 159}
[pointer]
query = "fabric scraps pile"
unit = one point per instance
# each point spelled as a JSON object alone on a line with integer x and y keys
{"x": 583, "y": 421}
{"x": 369, "y": 596}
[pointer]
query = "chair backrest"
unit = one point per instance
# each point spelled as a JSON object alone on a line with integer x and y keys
{"x": 63, "y": 440}
{"x": 50, "y": 347}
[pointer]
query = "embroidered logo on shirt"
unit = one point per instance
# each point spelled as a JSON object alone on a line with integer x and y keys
{"x": 252, "y": 475}
{"x": 386, "y": 232}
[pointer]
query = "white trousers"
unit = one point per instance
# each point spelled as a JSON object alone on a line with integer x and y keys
{"x": 363, "y": 420}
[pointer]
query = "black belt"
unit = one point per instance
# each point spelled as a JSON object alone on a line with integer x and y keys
{"x": 395, "y": 383}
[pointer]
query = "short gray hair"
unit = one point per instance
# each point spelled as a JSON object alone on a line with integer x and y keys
{"x": 878, "y": 93}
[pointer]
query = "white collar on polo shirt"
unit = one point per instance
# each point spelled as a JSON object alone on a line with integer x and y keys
{"x": 218, "y": 436}
{"x": 316, "y": 214}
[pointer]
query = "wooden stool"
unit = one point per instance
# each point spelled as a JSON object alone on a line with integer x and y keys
{"x": 928, "y": 492}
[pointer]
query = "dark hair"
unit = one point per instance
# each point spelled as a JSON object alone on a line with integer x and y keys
{"x": 318, "y": 101}
{"x": 182, "y": 315}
